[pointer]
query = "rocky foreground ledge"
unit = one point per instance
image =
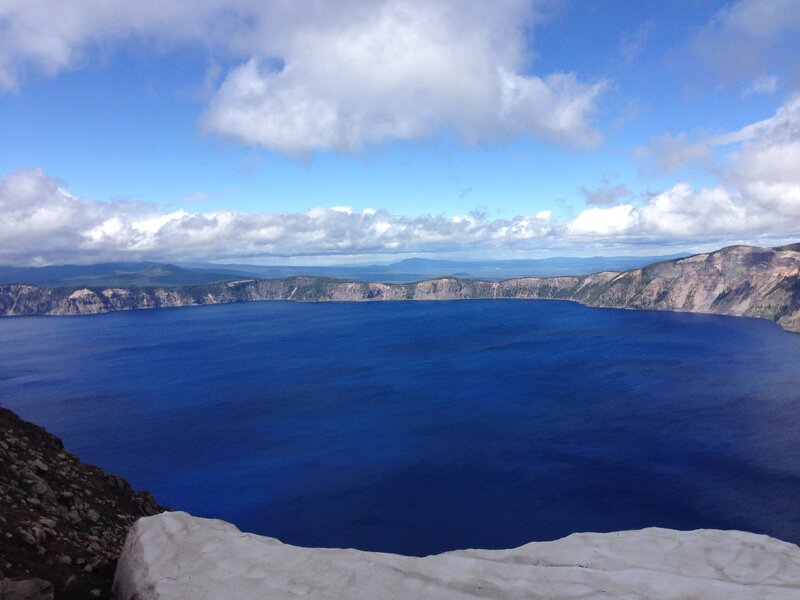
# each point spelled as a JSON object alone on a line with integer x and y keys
{"x": 62, "y": 522}
{"x": 175, "y": 556}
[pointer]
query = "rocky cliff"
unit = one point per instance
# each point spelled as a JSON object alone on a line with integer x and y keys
{"x": 739, "y": 281}
{"x": 62, "y": 523}
{"x": 174, "y": 556}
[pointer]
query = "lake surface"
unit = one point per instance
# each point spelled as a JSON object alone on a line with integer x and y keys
{"x": 419, "y": 427}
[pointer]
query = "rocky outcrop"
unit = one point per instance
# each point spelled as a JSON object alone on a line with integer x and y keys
{"x": 175, "y": 556}
{"x": 738, "y": 281}
{"x": 25, "y": 589}
{"x": 62, "y": 523}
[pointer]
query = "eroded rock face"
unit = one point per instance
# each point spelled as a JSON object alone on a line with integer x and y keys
{"x": 175, "y": 556}
{"x": 737, "y": 281}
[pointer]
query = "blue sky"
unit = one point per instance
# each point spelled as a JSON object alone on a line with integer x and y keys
{"x": 360, "y": 131}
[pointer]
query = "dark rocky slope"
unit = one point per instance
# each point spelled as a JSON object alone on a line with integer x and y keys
{"x": 739, "y": 281}
{"x": 62, "y": 523}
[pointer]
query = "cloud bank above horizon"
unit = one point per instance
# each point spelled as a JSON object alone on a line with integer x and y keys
{"x": 758, "y": 198}
{"x": 306, "y": 79}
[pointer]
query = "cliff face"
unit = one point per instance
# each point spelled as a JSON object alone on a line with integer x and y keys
{"x": 739, "y": 281}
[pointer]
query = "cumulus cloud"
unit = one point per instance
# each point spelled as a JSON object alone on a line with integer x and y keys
{"x": 333, "y": 76}
{"x": 765, "y": 168}
{"x": 758, "y": 193}
{"x": 42, "y": 223}
{"x": 49, "y": 36}
{"x": 604, "y": 221}
{"x": 683, "y": 213}
{"x": 403, "y": 70}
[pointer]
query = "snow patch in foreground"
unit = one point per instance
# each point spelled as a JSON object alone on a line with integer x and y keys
{"x": 175, "y": 556}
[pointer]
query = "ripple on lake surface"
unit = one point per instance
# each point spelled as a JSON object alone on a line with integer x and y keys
{"x": 419, "y": 427}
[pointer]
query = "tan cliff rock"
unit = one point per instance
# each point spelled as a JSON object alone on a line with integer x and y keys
{"x": 737, "y": 281}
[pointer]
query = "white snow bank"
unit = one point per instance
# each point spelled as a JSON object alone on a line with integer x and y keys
{"x": 175, "y": 555}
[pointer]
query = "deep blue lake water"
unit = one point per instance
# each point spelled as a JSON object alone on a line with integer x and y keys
{"x": 420, "y": 427}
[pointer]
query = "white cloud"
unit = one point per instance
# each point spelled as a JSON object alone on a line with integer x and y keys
{"x": 605, "y": 221}
{"x": 333, "y": 76}
{"x": 765, "y": 168}
{"x": 685, "y": 213}
{"x": 758, "y": 192}
{"x": 757, "y": 196}
{"x": 42, "y": 223}
{"x": 39, "y": 219}
{"x": 49, "y": 36}
{"x": 403, "y": 70}
{"x": 771, "y": 149}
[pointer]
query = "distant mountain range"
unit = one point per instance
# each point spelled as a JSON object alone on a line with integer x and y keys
{"x": 416, "y": 269}
{"x": 113, "y": 274}
{"x": 412, "y": 269}
{"x": 738, "y": 281}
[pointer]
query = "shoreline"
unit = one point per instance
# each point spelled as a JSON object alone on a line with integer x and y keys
{"x": 735, "y": 281}
{"x": 111, "y": 310}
